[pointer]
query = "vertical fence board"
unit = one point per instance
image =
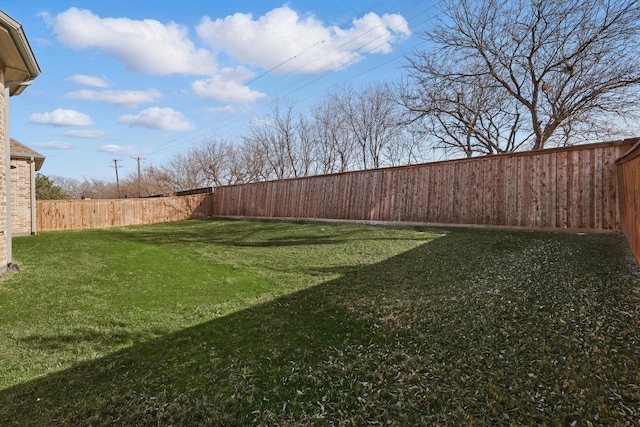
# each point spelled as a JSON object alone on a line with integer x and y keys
{"x": 433, "y": 194}
{"x": 593, "y": 183}
{"x": 481, "y": 175}
{"x": 519, "y": 176}
{"x": 425, "y": 194}
{"x": 599, "y": 191}
{"x": 445, "y": 191}
{"x": 538, "y": 187}
{"x": 562, "y": 185}
{"x": 551, "y": 190}
{"x": 432, "y": 200}
{"x": 510, "y": 184}
{"x": 610, "y": 195}
{"x": 499, "y": 191}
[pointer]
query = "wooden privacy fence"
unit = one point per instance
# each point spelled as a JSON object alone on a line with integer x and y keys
{"x": 628, "y": 168}
{"x": 80, "y": 214}
{"x": 569, "y": 188}
{"x": 586, "y": 187}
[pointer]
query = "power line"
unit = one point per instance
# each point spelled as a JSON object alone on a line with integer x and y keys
{"x": 290, "y": 88}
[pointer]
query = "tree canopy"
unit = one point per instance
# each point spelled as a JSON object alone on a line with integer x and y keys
{"x": 46, "y": 189}
{"x": 507, "y": 74}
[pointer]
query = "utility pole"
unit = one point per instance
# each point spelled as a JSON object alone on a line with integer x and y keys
{"x": 115, "y": 166}
{"x": 138, "y": 160}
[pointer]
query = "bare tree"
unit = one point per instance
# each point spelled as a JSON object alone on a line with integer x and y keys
{"x": 71, "y": 187}
{"x": 408, "y": 148}
{"x": 98, "y": 189}
{"x": 162, "y": 179}
{"x": 307, "y": 150}
{"x": 251, "y": 162}
{"x": 470, "y": 115}
{"x": 213, "y": 158}
{"x": 180, "y": 173}
{"x": 144, "y": 185}
{"x": 525, "y": 70}
{"x": 239, "y": 169}
{"x": 283, "y": 139}
{"x": 334, "y": 144}
{"x": 371, "y": 117}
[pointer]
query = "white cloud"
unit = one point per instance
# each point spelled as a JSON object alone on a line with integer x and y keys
{"x": 119, "y": 149}
{"x": 54, "y": 145}
{"x": 61, "y": 117}
{"x": 227, "y": 86}
{"x": 380, "y": 32}
{"x": 87, "y": 133}
{"x": 43, "y": 42}
{"x": 146, "y": 46}
{"x": 158, "y": 118}
{"x": 288, "y": 43}
{"x": 93, "y": 81}
{"x": 125, "y": 98}
{"x": 227, "y": 109}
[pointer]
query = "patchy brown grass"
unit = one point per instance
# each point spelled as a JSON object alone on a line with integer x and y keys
{"x": 461, "y": 327}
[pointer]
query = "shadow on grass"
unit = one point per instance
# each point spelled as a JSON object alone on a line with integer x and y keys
{"x": 241, "y": 233}
{"x": 475, "y": 327}
{"x": 99, "y": 338}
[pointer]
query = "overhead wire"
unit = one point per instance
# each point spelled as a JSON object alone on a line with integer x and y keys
{"x": 294, "y": 87}
{"x": 328, "y": 72}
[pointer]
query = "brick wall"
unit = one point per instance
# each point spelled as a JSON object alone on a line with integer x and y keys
{"x": 3, "y": 190}
{"x": 20, "y": 197}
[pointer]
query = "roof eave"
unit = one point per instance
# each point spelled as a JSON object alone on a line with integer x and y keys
{"x": 38, "y": 161}
{"x": 28, "y": 68}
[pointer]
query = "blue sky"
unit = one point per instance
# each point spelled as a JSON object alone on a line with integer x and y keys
{"x": 124, "y": 79}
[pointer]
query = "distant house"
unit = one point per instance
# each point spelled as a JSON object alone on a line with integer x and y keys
{"x": 25, "y": 162}
{"x": 18, "y": 69}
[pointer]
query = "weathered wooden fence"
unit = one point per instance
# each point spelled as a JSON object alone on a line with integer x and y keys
{"x": 628, "y": 168}
{"x": 568, "y": 188}
{"x": 80, "y": 214}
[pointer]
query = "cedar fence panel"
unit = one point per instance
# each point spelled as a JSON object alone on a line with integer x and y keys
{"x": 568, "y": 188}
{"x": 81, "y": 214}
{"x": 628, "y": 174}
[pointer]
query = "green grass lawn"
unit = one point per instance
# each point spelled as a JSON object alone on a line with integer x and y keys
{"x": 219, "y": 322}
